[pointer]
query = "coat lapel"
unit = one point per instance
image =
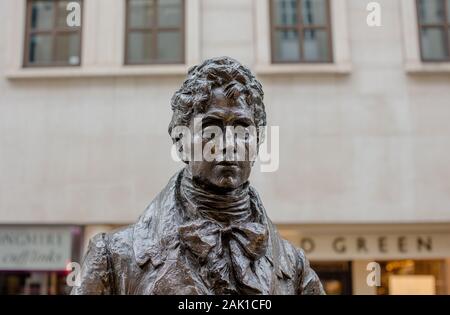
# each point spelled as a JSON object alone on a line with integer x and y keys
{"x": 157, "y": 226}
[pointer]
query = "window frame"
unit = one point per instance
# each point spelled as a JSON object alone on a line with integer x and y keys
{"x": 445, "y": 26}
{"x": 154, "y": 29}
{"x": 300, "y": 27}
{"x": 53, "y": 32}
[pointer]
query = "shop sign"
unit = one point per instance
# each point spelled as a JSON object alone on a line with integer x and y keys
{"x": 35, "y": 248}
{"x": 348, "y": 247}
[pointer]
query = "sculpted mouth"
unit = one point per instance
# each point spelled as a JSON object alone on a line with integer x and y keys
{"x": 228, "y": 163}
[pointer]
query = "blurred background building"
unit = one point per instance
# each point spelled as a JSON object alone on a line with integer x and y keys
{"x": 363, "y": 111}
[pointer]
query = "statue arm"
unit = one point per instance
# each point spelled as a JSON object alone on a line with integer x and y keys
{"x": 96, "y": 270}
{"x": 309, "y": 282}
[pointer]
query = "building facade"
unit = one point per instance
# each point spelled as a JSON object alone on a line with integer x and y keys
{"x": 360, "y": 94}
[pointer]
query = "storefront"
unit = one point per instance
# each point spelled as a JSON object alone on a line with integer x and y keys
{"x": 411, "y": 258}
{"x": 33, "y": 259}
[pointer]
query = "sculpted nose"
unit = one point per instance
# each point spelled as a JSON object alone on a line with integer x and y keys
{"x": 229, "y": 144}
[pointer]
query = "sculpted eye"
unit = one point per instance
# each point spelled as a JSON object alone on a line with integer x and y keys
{"x": 243, "y": 125}
{"x": 211, "y": 122}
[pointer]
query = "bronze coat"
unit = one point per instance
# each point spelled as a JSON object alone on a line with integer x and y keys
{"x": 148, "y": 257}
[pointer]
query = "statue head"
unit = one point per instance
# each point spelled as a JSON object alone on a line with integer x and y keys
{"x": 219, "y": 99}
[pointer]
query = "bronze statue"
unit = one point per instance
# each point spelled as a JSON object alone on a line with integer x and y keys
{"x": 207, "y": 231}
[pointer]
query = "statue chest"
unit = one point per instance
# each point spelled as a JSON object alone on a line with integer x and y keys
{"x": 182, "y": 275}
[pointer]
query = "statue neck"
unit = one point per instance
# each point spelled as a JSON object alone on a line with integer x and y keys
{"x": 224, "y": 207}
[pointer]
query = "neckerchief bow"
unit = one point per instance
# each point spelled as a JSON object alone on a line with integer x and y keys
{"x": 215, "y": 245}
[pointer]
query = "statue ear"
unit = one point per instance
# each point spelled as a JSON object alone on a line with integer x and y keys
{"x": 179, "y": 135}
{"x": 179, "y": 149}
{"x": 181, "y": 153}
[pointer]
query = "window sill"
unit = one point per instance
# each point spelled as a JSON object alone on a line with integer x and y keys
{"x": 427, "y": 68}
{"x": 87, "y": 72}
{"x": 319, "y": 68}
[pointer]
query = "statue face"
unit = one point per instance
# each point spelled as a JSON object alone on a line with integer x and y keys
{"x": 231, "y": 172}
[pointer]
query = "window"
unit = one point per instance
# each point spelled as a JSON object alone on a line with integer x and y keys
{"x": 49, "y": 41}
{"x": 154, "y": 32}
{"x": 300, "y": 31}
{"x": 434, "y": 29}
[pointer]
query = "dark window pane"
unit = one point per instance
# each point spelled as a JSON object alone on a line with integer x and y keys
{"x": 169, "y": 13}
{"x": 42, "y": 15}
{"x": 141, "y": 13}
{"x": 41, "y": 49}
{"x": 156, "y": 17}
{"x": 169, "y": 46}
{"x": 285, "y": 12}
{"x": 314, "y": 12}
{"x": 287, "y": 46}
{"x": 49, "y": 39}
{"x": 315, "y": 45}
{"x": 62, "y": 13}
{"x": 67, "y": 48}
{"x": 139, "y": 47}
{"x": 431, "y": 11}
{"x": 433, "y": 43}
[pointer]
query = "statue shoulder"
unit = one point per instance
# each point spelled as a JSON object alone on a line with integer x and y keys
{"x": 309, "y": 282}
{"x": 104, "y": 252}
{"x": 298, "y": 264}
{"x": 95, "y": 270}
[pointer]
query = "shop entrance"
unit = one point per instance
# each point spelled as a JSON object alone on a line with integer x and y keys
{"x": 336, "y": 277}
{"x": 33, "y": 283}
{"x": 423, "y": 277}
